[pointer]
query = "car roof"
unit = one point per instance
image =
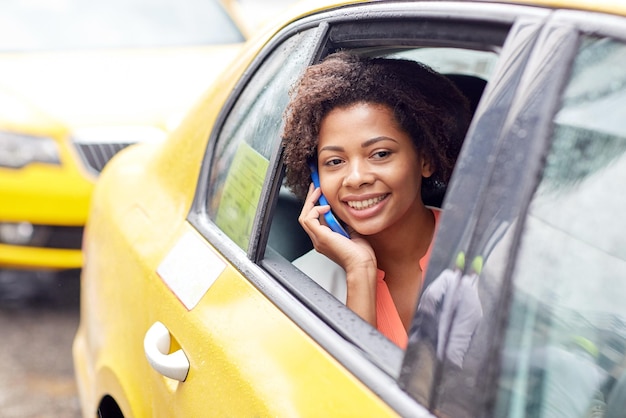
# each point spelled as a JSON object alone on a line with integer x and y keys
{"x": 617, "y": 7}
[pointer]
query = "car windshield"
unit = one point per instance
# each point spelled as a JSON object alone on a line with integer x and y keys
{"x": 49, "y": 25}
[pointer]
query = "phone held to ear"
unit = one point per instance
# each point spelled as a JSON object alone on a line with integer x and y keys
{"x": 329, "y": 217}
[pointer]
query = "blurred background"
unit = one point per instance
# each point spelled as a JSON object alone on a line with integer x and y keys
{"x": 81, "y": 80}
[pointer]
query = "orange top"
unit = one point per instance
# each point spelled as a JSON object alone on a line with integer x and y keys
{"x": 388, "y": 320}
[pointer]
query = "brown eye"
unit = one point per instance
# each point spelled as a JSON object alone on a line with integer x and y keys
{"x": 379, "y": 155}
{"x": 333, "y": 162}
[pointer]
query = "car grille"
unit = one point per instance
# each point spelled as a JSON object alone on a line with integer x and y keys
{"x": 70, "y": 237}
{"x": 95, "y": 156}
{"x": 51, "y": 236}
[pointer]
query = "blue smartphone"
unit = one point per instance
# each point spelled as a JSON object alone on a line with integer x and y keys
{"x": 329, "y": 217}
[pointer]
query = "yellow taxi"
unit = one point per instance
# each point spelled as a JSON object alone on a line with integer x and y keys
{"x": 191, "y": 305}
{"x": 79, "y": 81}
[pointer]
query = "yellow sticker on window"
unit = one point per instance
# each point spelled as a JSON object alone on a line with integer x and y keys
{"x": 241, "y": 193}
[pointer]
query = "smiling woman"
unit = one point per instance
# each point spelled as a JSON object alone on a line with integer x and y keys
{"x": 79, "y": 24}
{"x": 383, "y": 132}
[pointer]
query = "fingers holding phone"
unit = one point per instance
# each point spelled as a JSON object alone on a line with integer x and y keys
{"x": 312, "y": 216}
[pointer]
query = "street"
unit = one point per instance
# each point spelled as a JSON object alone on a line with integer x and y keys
{"x": 38, "y": 320}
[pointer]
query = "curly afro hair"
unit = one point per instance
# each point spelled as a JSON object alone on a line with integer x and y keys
{"x": 425, "y": 103}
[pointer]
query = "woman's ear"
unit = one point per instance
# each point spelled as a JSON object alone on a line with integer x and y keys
{"x": 428, "y": 168}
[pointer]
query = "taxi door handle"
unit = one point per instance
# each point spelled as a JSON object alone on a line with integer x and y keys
{"x": 156, "y": 345}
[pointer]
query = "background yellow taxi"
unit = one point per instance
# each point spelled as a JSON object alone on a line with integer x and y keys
{"x": 79, "y": 81}
{"x": 190, "y": 303}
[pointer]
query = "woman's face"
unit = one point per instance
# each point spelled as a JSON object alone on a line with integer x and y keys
{"x": 369, "y": 169}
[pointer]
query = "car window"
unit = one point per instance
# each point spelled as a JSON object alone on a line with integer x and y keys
{"x": 250, "y": 137}
{"x": 565, "y": 347}
{"x": 475, "y": 56}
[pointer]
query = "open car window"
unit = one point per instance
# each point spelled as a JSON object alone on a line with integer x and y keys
{"x": 470, "y": 58}
{"x": 468, "y": 69}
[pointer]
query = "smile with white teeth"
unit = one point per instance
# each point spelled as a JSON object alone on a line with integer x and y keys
{"x": 364, "y": 204}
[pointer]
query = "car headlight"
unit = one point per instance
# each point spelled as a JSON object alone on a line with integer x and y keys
{"x": 18, "y": 150}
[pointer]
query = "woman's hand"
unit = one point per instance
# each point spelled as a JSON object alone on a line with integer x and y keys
{"x": 354, "y": 255}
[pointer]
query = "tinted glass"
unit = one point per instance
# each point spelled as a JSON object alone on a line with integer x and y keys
{"x": 447, "y": 362}
{"x": 250, "y": 136}
{"x": 565, "y": 345}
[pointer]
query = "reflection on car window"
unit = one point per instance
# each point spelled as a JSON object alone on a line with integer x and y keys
{"x": 565, "y": 346}
{"x": 31, "y": 25}
{"x": 250, "y": 136}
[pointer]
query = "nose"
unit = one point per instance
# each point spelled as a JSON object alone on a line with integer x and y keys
{"x": 358, "y": 175}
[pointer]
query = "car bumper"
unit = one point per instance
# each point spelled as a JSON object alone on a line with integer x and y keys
{"x": 41, "y": 223}
{"x": 39, "y": 258}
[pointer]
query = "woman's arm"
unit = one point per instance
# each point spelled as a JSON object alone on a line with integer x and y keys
{"x": 354, "y": 255}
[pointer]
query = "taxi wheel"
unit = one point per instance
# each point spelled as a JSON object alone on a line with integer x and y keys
{"x": 109, "y": 409}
